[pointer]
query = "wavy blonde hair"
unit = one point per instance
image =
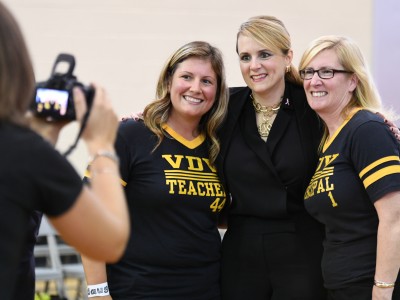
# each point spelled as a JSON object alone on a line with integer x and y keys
{"x": 157, "y": 112}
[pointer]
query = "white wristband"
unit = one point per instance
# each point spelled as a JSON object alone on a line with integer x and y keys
{"x": 98, "y": 290}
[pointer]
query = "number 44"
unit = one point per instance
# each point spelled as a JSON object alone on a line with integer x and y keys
{"x": 217, "y": 205}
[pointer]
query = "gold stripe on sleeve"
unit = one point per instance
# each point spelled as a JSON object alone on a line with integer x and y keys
{"x": 381, "y": 173}
{"x": 378, "y": 162}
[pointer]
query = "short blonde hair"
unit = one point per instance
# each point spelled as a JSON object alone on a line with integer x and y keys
{"x": 272, "y": 34}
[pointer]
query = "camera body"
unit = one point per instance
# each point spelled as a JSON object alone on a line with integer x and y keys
{"x": 53, "y": 99}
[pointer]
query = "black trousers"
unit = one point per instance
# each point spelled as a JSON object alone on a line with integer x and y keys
{"x": 358, "y": 291}
{"x": 272, "y": 260}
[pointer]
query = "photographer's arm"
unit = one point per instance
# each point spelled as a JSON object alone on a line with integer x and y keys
{"x": 95, "y": 273}
{"x": 98, "y": 223}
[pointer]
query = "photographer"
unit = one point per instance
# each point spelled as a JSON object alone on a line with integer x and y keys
{"x": 35, "y": 177}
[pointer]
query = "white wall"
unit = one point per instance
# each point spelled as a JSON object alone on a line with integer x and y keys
{"x": 124, "y": 43}
{"x": 386, "y": 58}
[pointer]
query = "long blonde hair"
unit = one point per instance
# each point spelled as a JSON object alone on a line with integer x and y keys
{"x": 157, "y": 112}
{"x": 351, "y": 58}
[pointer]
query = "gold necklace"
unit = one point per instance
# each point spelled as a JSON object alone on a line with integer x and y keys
{"x": 267, "y": 112}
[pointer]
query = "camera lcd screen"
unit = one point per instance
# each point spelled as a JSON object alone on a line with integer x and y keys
{"x": 51, "y": 102}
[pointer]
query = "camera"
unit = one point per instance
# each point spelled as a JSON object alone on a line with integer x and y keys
{"x": 53, "y": 99}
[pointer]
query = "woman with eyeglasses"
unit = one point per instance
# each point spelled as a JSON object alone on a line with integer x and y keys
{"x": 355, "y": 191}
{"x": 272, "y": 248}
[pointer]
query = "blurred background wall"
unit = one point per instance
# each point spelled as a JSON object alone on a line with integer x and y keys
{"x": 386, "y": 50}
{"x": 123, "y": 44}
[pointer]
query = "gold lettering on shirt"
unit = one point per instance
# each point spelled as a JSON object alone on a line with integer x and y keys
{"x": 320, "y": 181}
{"x": 198, "y": 178}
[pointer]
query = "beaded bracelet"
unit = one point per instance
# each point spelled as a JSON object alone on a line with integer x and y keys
{"x": 104, "y": 153}
{"x": 384, "y": 285}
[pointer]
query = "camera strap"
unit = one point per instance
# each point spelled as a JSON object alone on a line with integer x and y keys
{"x": 83, "y": 126}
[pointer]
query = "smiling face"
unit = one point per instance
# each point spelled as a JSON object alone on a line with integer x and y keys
{"x": 329, "y": 97}
{"x": 262, "y": 70}
{"x": 192, "y": 89}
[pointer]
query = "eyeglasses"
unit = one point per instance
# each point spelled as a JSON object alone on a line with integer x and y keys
{"x": 308, "y": 74}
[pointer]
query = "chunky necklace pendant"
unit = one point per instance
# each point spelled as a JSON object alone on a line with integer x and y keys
{"x": 267, "y": 113}
{"x": 264, "y": 129}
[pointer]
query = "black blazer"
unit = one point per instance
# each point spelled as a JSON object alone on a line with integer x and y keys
{"x": 309, "y": 128}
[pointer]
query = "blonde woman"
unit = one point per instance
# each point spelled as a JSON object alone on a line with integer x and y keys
{"x": 174, "y": 194}
{"x": 272, "y": 247}
{"x": 355, "y": 191}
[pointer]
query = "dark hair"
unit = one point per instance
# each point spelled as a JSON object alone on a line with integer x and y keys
{"x": 16, "y": 72}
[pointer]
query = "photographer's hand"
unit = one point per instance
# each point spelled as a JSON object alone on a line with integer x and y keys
{"x": 102, "y": 124}
{"x": 48, "y": 130}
